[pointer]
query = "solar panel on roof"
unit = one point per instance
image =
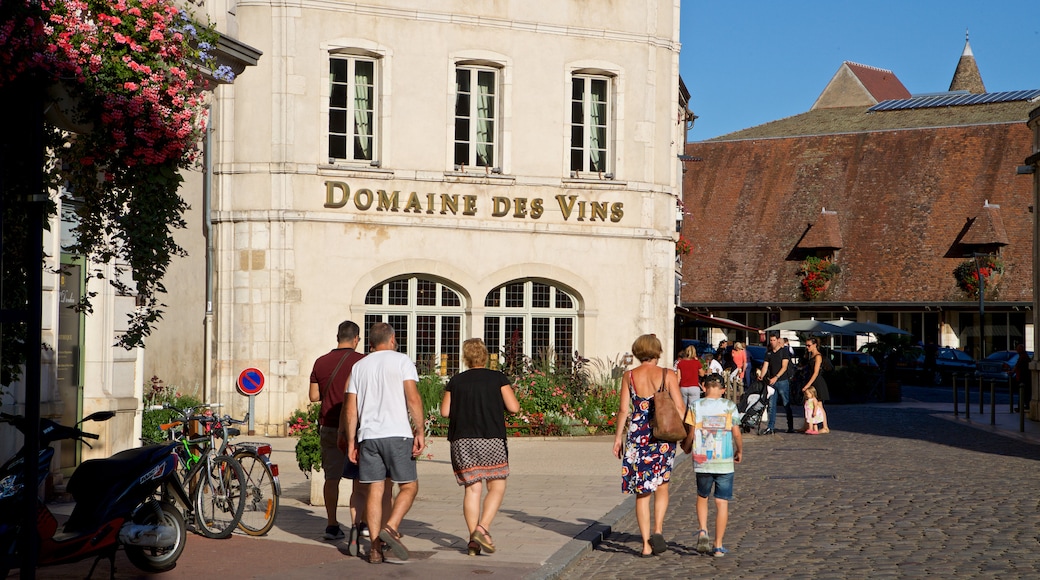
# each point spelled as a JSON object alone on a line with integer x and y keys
{"x": 954, "y": 100}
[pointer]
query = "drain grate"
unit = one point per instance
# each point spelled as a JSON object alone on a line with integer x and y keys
{"x": 802, "y": 477}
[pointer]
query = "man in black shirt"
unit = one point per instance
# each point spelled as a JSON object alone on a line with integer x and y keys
{"x": 776, "y": 371}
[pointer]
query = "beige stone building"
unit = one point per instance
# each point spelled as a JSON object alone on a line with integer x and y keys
{"x": 502, "y": 170}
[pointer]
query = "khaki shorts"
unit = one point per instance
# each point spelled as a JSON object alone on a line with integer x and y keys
{"x": 332, "y": 458}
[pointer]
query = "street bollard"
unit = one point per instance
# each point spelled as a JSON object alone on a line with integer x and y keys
{"x": 953, "y": 381}
{"x": 1021, "y": 408}
{"x": 967, "y": 398}
{"x": 981, "y": 399}
{"x": 992, "y": 403}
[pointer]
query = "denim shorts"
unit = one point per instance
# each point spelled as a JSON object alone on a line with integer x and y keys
{"x": 393, "y": 455}
{"x": 723, "y": 483}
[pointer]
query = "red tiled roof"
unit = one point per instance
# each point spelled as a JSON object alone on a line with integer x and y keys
{"x": 902, "y": 197}
{"x": 987, "y": 228}
{"x": 880, "y": 83}
{"x": 824, "y": 234}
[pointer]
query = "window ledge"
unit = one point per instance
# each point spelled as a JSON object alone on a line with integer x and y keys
{"x": 478, "y": 177}
{"x": 593, "y": 183}
{"x": 355, "y": 170}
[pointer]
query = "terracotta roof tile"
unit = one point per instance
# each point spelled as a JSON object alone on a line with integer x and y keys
{"x": 882, "y": 84}
{"x": 987, "y": 228}
{"x": 824, "y": 234}
{"x": 902, "y": 196}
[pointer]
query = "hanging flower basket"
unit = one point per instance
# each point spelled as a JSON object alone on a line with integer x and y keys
{"x": 967, "y": 274}
{"x": 683, "y": 246}
{"x": 816, "y": 274}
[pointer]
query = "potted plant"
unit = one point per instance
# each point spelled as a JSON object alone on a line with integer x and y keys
{"x": 304, "y": 425}
{"x": 817, "y": 274}
{"x": 967, "y": 273}
{"x": 683, "y": 246}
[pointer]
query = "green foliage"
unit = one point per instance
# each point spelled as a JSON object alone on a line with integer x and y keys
{"x": 431, "y": 390}
{"x": 158, "y": 393}
{"x": 304, "y": 424}
{"x": 967, "y": 273}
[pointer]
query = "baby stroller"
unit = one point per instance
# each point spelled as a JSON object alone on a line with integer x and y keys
{"x": 753, "y": 404}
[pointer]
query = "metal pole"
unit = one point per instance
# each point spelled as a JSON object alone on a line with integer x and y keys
{"x": 967, "y": 398}
{"x": 1021, "y": 408}
{"x": 981, "y": 399}
{"x": 1011, "y": 397}
{"x": 953, "y": 381}
{"x": 992, "y": 403}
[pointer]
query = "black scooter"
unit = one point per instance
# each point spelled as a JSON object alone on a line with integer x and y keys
{"x": 117, "y": 505}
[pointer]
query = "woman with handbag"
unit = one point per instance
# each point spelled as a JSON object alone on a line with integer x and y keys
{"x": 649, "y": 424}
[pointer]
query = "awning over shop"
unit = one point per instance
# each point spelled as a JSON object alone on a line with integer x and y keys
{"x": 713, "y": 321}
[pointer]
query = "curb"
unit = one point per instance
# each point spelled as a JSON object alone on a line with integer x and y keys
{"x": 584, "y": 543}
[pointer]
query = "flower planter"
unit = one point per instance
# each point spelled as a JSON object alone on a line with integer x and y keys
{"x": 317, "y": 479}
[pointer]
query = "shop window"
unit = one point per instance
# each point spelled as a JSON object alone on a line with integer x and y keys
{"x": 590, "y": 124}
{"x": 353, "y": 119}
{"x": 476, "y": 111}
{"x": 427, "y": 316}
{"x": 538, "y": 316}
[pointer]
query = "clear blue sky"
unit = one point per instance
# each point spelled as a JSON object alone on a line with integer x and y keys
{"x": 747, "y": 62}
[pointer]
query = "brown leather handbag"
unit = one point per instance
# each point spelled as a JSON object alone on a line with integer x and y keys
{"x": 668, "y": 423}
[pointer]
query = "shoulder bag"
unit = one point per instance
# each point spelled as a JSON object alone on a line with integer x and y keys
{"x": 668, "y": 424}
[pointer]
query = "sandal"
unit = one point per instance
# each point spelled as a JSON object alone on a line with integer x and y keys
{"x": 392, "y": 538}
{"x": 352, "y": 547}
{"x": 375, "y": 553}
{"x": 657, "y": 544}
{"x": 473, "y": 548}
{"x": 482, "y": 536}
{"x": 703, "y": 542}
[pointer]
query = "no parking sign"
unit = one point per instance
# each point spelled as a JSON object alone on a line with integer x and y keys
{"x": 251, "y": 381}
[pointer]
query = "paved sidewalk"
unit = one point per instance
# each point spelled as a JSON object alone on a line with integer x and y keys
{"x": 894, "y": 491}
{"x": 564, "y": 496}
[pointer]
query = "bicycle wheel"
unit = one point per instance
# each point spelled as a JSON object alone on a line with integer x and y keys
{"x": 219, "y": 500}
{"x": 261, "y": 497}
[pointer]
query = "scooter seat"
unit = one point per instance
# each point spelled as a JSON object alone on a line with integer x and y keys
{"x": 95, "y": 476}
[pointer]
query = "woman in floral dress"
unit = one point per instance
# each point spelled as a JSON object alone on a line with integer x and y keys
{"x": 646, "y": 463}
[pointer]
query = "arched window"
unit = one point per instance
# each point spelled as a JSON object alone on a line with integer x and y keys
{"x": 427, "y": 317}
{"x": 543, "y": 317}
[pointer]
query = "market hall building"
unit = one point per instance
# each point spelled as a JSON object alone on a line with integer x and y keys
{"x": 503, "y": 170}
{"x": 898, "y": 191}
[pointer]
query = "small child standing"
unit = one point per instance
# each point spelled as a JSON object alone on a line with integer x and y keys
{"x": 814, "y": 413}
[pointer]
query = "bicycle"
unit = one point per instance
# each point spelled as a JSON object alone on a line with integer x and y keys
{"x": 215, "y": 481}
{"x": 262, "y": 485}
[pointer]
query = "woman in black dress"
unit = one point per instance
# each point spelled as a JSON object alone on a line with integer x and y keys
{"x": 475, "y": 402}
{"x": 816, "y": 366}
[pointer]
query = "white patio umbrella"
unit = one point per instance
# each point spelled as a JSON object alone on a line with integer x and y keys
{"x": 867, "y": 327}
{"x": 811, "y": 326}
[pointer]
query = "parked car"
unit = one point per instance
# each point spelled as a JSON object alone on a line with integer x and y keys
{"x": 851, "y": 358}
{"x": 702, "y": 347}
{"x": 947, "y": 362}
{"x": 998, "y": 365}
{"x": 756, "y": 356}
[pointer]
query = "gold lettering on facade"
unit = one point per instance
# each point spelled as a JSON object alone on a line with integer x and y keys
{"x": 388, "y": 202}
{"x": 536, "y": 208}
{"x": 449, "y": 203}
{"x": 330, "y": 194}
{"x": 566, "y": 204}
{"x": 414, "y": 205}
{"x": 363, "y": 199}
{"x": 500, "y": 206}
{"x": 338, "y": 194}
{"x": 599, "y": 210}
{"x": 469, "y": 205}
{"x": 519, "y": 207}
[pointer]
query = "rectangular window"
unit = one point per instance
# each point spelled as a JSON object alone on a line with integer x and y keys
{"x": 451, "y": 337}
{"x": 400, "y": 324}
{"x": 492, "y": 324}
{"x": 475, "y": 111}
{"x": 352, "y": 108}
{"x": 540, "y": 339}
{"x": 426, "y": 358}
{"x": 370, "y": 319}
{"x": 563, "y": 340}
{"x": 590, "y": 114}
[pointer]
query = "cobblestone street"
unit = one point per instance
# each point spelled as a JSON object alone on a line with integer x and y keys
{"x": 889, "y": 493}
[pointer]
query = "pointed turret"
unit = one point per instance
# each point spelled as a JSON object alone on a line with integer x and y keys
{"x": 967, "y": 77}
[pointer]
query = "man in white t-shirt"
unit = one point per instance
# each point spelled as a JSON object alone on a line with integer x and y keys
{"x": 381, "y": 395}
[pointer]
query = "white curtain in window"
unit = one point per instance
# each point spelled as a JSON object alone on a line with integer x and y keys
{"x": 596, "y": 112}
{"x": 485, "y": 96}
{"x": 362, "y": 82}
